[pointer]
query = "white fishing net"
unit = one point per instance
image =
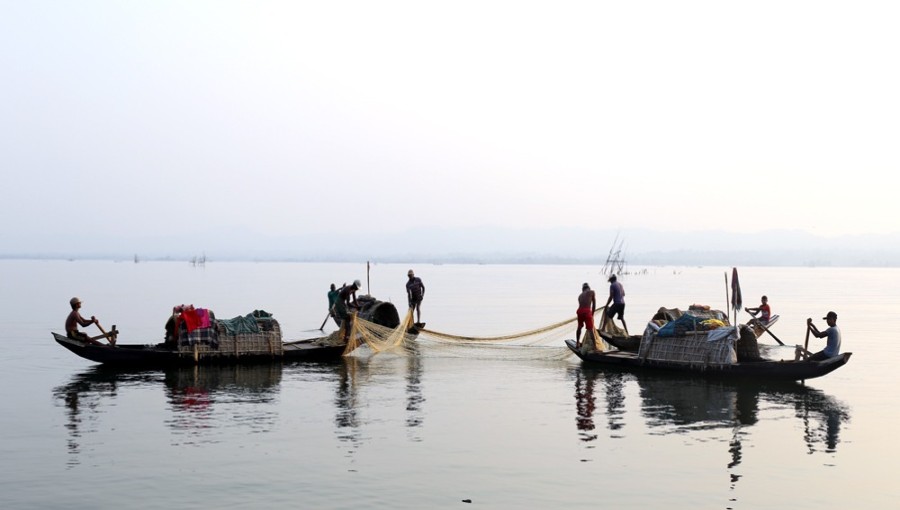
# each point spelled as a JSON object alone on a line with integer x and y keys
{"x": 543, "y": 343}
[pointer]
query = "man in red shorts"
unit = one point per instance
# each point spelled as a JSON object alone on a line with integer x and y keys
{"x": 587, "y": 304}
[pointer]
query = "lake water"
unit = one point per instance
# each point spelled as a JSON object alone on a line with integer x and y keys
{"x": 508, "y": 426}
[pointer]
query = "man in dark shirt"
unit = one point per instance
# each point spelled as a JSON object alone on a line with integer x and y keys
{"x": 617, "y": 298}
{"x": 333, "y": 296}
{"x": 415, "y": 292}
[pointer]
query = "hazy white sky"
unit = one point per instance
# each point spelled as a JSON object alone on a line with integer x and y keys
{"x": 295, "y": 117}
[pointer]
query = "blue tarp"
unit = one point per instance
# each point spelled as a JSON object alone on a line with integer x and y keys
{"x": 680, "y": 326}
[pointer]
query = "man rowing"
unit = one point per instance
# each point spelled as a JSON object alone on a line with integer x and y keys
{"x": 75, "y": 319}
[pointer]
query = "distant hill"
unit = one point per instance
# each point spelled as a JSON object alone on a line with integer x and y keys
{"x": 484, "y": 245}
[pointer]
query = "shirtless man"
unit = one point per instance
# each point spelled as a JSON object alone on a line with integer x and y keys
{"x": 75, "y": 319}
{"x": 587, "y": 305}
{"x": 346, "y": 300}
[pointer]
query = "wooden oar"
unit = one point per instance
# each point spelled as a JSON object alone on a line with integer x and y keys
{"x": 806, "y": 344}
{"x": 110, "y": 339}
{"x": 322, "y": 327}
{"x": 775, "y": 337}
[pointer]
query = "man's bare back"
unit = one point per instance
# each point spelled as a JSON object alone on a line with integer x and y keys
{"x": 587, "y": 299}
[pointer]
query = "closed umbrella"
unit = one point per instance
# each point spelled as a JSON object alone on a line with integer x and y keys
{"x": 736, "y": 301}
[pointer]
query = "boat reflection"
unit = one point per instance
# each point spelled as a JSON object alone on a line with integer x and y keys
{"x": 205, "y": 400}
{"x": 208, "y": 404}
{"x": 673, "y": 404}
{"x": 84, "y": 397}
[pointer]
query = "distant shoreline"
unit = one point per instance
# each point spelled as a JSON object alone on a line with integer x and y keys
{"x": 637, "y": 261}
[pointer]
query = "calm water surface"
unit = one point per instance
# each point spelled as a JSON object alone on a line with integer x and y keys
{"x": 502, "y": 426}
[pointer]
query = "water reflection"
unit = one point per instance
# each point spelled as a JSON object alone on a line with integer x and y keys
{"x": 201, "y": 399}
{"x": 206, "y": 399}
{"x": 673, "y": 404}
{"x": 358, "y": 374}
{"x": 209, "y": 404}
{"x": 84, "y": 396}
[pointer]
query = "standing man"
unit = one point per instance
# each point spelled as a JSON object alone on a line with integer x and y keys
{"x": 332, "y": 299}
{"x": 587, "y": 305}
{"x": 75, "y": 319}
{"x": 832, "y": 345}
{"x": 617, "y": 298}
{"x": 415, "y": 292}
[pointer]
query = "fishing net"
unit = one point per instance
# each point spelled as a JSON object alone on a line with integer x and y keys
{"x": 542, "y": 343}
{"x": 379, "y": 338}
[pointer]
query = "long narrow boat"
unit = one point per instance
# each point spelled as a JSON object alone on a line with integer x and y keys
{"x": 160, "y": 356}
{"x": 762, "y": 371}
{"x": 208, "y": 347}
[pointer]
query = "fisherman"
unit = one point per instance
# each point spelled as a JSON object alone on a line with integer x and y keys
{"x": 415, "y": 292}
{"x": 617, "y": 298}
{"x": 75, "y": 319}
{"x": 171, "y": 338}
{"x": 333, "y": 296}
{"x": 764, "y": 311}
{"x": 587, "y": 305}
{"x": 832, "y": 345}
{"x": 346, "y": 300}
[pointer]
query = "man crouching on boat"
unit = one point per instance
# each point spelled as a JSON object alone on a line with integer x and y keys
{"x": 832, "y": 346}
{"x": 75, "y": 319}
{"x": 587, "y": 305}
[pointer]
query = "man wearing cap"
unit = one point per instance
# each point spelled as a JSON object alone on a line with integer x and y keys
{"x": 415, "y": 292}
{"x": 617, "y": 298}
{"x": 832, "y": 345}
{"x": 75, "y": 319}
{"x": 587, "y": 305}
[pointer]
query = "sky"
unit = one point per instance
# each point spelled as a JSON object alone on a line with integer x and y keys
{"x": 293, "y": 118}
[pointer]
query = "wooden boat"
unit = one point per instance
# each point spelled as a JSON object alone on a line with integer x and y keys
{"x": 158, "y": 355}
{"x": 265, "y": 346}
{"x": 762, "y": 371}
{"x": 630, "y": 343}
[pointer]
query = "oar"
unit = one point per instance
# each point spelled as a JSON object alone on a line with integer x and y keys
{"x": 111, "y": 340}
{"x": 322, "y": 327}
{"x": 806, "y": 343}
{"x": 775, "y": 337}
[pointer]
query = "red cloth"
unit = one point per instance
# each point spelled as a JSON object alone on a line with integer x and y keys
{"x": 204, "y": 317}
{"x": 191, "y": 319}
{"x": 585, "y": 316}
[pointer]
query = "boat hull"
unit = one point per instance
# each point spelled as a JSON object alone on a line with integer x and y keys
{"x": 762, "y": 371}
{"x": 126, "y": 355}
